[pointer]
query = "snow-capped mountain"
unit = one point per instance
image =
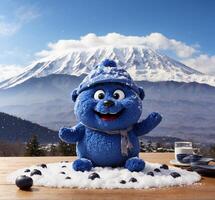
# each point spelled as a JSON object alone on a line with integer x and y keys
{"x": 141, "y": 63}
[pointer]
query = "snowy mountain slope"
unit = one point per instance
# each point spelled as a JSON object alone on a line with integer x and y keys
{"x": 141, "y": 63}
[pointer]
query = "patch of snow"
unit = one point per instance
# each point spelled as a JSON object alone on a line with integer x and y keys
{"x": 109, "y": 177}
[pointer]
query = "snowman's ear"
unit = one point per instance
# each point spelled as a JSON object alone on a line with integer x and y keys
{"x": 141, "y": 93}
{"x": 74, "y": 95}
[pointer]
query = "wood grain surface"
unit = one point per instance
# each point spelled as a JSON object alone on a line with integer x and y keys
{"x": 204, "y": 190}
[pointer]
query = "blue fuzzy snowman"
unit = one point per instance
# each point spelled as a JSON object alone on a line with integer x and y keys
{"x": 108, "y": 105}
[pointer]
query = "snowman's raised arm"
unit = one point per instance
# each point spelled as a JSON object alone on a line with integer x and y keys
{"x": 148, "y": 124}
{"x": 72, "y": 135}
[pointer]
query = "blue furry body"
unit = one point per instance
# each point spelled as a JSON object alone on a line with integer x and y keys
{"x": 108, "y": 110}
{"x": 104, "y": 149}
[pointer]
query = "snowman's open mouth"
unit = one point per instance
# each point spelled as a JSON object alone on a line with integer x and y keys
{"x": 109, "y": 116}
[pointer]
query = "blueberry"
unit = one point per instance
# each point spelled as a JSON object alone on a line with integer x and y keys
{"x": 150, "y": 173}
{"x": 24, "y": 182}
{"x": 93, "y": 176}
{"x": 36, "y": 172}
{"x": 123, "y": 182}
{"x": 62, "y": 173}
{"x": 157, "y": 170}
{"x": 164, "y": 166}
{"x": 63, "y": 166}
{"x": 68, "y": 177}
{"x": 43, "y": 165}
{"x": 133, "y": 180}
{"x": 175, "y": 174}
{"x": 27, "y": 170}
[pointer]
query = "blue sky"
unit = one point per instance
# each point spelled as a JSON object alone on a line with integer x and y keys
{"x": 27, "y": 27}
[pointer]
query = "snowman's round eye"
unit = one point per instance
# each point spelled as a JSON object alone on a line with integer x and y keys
{"x": 99, "y": 94}
{"x": 119, "y": 95}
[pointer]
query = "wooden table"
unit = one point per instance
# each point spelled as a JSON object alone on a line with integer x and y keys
{"x": 204, "y": 190}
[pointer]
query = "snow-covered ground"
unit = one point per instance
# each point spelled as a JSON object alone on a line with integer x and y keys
{"x": 110, "y": 178}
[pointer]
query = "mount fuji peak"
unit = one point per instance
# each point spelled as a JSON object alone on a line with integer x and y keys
{"x": 141, "y": 62}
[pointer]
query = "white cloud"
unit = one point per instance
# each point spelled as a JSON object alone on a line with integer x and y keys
{"x": 189, "y": 55}
{"x": 26, "y": 14}
{"x": 8, "y": 28}
{"x": 20, "y": 17}
{"x": 203, "y": 63}
{"x": 159, "y": 41}
{"x": 156, "y": 41}
{"x": 8, "y": 71}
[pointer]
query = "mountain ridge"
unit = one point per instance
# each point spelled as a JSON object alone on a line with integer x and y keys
{"x": 141, "y": 63}
{"x": 15, "y": 129}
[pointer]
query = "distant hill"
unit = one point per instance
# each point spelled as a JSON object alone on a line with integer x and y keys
{"x": 159, "y": 139}
{"x": 187, "y": 108}
{"x": 14, "y": 129}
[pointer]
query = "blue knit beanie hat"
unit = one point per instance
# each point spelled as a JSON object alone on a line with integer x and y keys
{"x": 107, "y": 72}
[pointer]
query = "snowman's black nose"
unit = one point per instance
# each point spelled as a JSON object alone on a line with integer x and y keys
{"x": 108, "y": 103}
